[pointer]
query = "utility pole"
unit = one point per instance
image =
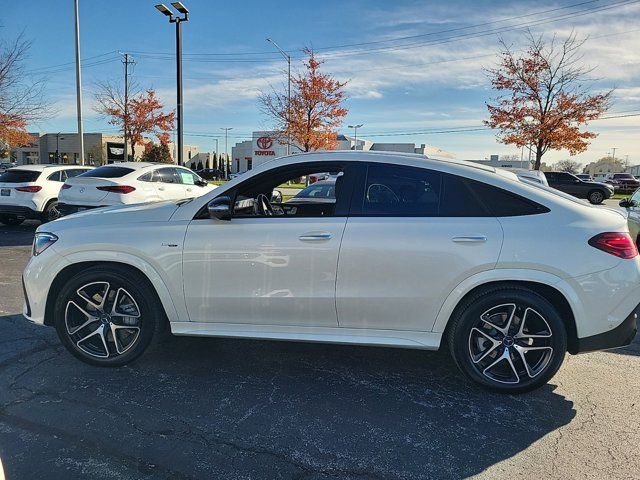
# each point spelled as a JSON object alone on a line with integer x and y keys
{"x": 226, "y": 156}
{"x": 79, "y": 86}
{"x": 126, "y": 62}
{"x": 288, "y": 58}
{"x": 614, "y": 153}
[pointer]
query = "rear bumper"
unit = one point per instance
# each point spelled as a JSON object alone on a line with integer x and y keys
{"x": 66, "y": 209}
{"x": 18, "y": 211}
{"x": 619, "y": 336}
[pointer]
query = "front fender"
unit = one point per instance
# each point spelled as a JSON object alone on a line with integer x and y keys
{"x": 173, "y": 307}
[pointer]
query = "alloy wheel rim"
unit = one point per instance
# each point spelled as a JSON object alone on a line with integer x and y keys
{"x": 597, "y": 197}
{"x": 102, "y": 320}
{"x": 53, "y": 213}
{"x": 510, "y": 344}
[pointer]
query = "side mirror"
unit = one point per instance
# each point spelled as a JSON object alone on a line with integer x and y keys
{"x": 220, "y": 208}
{"x": 201, "y": 183}
{"x": 276, "y": 196}
{"x": 626, "y": 203}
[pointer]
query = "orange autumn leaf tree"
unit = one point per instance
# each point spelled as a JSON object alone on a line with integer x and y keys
{"x": 315, "y": 112}
{"x": 144, "y": 114}
{"x": 543, "y": 100}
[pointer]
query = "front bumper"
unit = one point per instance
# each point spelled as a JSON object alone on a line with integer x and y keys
{"x": 19, "y": 211}
{"x": 620, "y": 336}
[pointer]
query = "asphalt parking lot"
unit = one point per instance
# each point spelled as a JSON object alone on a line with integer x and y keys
{"x": 212, "y": 408}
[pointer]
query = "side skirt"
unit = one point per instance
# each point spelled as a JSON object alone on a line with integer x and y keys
{"x": 356, "y": 336}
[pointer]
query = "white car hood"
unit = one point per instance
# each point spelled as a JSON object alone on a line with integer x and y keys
{"x": 120, "y": 214}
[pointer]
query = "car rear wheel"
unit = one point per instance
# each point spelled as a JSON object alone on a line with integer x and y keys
{"x": 107, "y": 316}
{"x": 596, "y": 197}
{"x": 11, "y": 219}
{"x": 51, "y": 212}
{"x": 509, "y": 339}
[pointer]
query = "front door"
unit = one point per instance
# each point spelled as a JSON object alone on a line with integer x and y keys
{"x": 270, "y": 264}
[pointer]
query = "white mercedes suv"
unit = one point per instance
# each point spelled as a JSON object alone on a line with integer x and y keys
{"x": 128, "y": 183}
{"x": 31, "y": 191}
{"x": 414, "y": 252}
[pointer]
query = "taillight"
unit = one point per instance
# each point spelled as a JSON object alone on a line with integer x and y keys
{"x": 65, "y": 186}
{"x": 117, "y": 189}
{"x": 31, "y": 189}
{"x": 618, "y": 244}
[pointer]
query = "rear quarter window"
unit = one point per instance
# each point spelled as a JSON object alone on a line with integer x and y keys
{"x": 502, "y": 203}
{"x": 19, "y": 176}
{"x": 108, "y": 172}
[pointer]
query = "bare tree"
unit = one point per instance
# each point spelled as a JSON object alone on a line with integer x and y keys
{"x": 544, "y": 100}
{"x": 22, "y": 99}
{"x": 569, "y": 166}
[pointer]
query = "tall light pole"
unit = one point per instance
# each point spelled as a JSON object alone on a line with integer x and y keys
{"x": 178, "y": 21}
{"x": 288, "y": 58}
{"x": 355, "y": 134}
{"x": 79, "y": 86}
{"x": 614, "y": 153}
{"x": 226, "y": 155}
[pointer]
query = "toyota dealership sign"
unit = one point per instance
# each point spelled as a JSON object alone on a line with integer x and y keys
{"x": 264, "y": 147}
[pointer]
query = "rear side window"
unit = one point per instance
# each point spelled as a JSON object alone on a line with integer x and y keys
{"x": 74, "y": 172}
{"x": 165, "y": 175}
{"x": 108, "y": 172}
{"x": 502, "y": 203}
{"x": 401, "y": 191}
{"x": 19, "y": 176}
{"x": 55, "y": 177}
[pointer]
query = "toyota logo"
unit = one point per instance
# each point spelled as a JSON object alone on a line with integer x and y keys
{"x": 264, "y": 143}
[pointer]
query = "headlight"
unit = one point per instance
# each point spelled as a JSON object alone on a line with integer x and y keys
{"x": 42, "y": 241}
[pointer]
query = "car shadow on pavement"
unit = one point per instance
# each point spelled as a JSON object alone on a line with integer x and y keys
{"x": 226, "y": 408}
{"x": 17, "y": 235}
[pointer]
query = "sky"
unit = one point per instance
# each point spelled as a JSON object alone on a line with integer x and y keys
{"x": 415, "y": 69}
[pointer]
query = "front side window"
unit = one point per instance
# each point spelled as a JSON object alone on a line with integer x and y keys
{"x": 263, "y": 196}
{"x": 186, "y": 177}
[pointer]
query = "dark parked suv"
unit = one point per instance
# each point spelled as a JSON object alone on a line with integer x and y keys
{"x": 622, "y": 182}
{"x": 595, "y": 192}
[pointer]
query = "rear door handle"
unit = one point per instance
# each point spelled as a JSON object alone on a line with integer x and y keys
{"x": 470, "y": 239}
{"x": 315, "y": 236}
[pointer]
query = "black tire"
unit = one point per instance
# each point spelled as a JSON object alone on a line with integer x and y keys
{"x": 596, "y": 197}
{"x": 11, "y": 220}
{"x": 150, "y": 321}
{"x": 50, "y": 212}
{"x": 473, "y": 353}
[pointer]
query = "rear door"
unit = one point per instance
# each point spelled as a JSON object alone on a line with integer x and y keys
{"x": 413, "y": 235}
{"x": 168, "y": 184}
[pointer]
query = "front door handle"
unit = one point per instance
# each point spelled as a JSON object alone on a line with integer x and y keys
{"x": 161, "y": 188}
{"x": 470, "y": 239}
{"x": 315, "y": 236}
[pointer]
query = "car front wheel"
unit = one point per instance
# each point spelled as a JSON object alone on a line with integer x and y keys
{"x": 508, "y": 339}
{"x": 106, "y": 316}
{"x": 596, "y": 197}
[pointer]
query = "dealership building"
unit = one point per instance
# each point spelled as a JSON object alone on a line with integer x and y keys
{"x": 264, "y": 146}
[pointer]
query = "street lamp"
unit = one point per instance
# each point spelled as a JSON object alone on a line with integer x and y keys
{"x": 178, "y": 21}
{"x": 355, "y": 134}
{"x": 288, "y": 58}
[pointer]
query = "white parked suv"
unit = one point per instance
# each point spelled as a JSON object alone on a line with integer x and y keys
{"x": 414, "y": 252}
{"x": 31, "y": 191}
{"x": 130, "y": 182}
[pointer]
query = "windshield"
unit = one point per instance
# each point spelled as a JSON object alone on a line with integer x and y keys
{"x": 19, "y": 176}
